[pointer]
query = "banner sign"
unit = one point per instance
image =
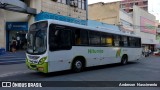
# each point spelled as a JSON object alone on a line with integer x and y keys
{"x": 17, "y": 26}
{"x": 147, "y": 26}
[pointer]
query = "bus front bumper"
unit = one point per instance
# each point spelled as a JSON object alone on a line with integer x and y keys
{"x": 38, "y": 67}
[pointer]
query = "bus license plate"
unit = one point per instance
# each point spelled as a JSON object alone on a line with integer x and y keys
{"x": 34, "y": 61}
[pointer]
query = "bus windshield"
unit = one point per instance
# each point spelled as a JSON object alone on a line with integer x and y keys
{"x": 37, "y": 38}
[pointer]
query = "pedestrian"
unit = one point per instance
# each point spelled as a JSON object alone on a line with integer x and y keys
{"x": 14, "y": 43}
{"x": 150, "y": 52}
{"x": 18, "y": 42}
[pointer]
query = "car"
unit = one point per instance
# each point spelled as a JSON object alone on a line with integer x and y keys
{"x": 157, "y": 52}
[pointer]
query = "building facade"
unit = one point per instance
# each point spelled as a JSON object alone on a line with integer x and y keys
{"x": 140, "y": 22}
{"x": 2, "y": 26}
{"x": 158, "y": 35}
{"x": 145, "y": 26}
{"x": 111, "y": 13}
{"x": 127, "y": 5}
{"x": 74, "y": 11}
{"x": 104, "y": 12}
{"x": 15, "y": 23}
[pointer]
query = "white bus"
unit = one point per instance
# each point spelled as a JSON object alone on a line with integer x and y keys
{"x": 55, "y": 46}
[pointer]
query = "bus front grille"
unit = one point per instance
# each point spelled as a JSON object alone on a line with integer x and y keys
{"x": 33, "y": 66}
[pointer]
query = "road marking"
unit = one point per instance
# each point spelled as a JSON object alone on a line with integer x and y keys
{"x": 13, "y": 73}
{"x": 4, "y": 62}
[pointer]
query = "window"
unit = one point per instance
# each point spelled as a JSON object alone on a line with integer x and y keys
{"x": 116, "y": 40}
{"x": 81, "y": 37}
{"x": 124, "y": 41}
{"x": 135, "y": 42}
{"x": 65, "y": 38}
{"x": 59, "y": 38}
{"x": 106, "y": 40}
{"x": 132, "y": 41}
{"x": 138, "y": 42}
{"x": 84, "y": 4}
{"x": 81, "y": 4}
{"x": 62, "y": 1}
{"x": 94, "y": 38}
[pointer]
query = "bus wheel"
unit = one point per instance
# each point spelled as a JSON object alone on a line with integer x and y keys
{"x": 124, "y": 60}
{"x": 77, "y": 65}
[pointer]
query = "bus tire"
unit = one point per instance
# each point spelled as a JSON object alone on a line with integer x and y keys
{"x": 124, "y": 60}
{"x": 78, "y": 65}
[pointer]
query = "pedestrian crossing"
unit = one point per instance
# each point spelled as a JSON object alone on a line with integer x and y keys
{"x": 12, "y": 58}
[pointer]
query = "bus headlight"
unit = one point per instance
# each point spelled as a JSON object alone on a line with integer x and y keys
{"x": 42, "y": 60}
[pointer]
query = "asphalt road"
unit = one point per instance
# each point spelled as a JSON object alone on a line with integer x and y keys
{"x": 146, "y": 69}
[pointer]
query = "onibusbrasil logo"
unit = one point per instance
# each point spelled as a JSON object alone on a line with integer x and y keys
{"x": 20, "y": 84}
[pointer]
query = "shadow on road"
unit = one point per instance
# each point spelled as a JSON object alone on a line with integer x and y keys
{"x": 66, "y": 72}
{"x": 33, "y": 76}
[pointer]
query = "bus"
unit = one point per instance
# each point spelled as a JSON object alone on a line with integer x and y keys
{"x": 56, "y": 45}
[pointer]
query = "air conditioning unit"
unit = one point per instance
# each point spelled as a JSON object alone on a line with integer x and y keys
{"x": 73, "y": 4}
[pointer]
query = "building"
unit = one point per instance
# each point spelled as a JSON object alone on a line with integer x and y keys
{"x": 145, "y": 26}
{"x": 111, "y": 13}
{"x": 127, "y": 5}
{"x": 13, "y": 21}
{"x": 74, "y": 11}
{"x": 158, "y": 34}
{"x": 139, "y": 22}
{"x": 17, "y": 15}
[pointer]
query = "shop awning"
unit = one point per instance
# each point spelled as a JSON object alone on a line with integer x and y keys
{"x": 17, "y": 6}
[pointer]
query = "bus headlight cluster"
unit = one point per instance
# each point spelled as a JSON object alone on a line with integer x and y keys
{"x": 42, "y": 60}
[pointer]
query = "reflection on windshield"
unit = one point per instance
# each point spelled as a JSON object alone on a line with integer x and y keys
{"x": 37, "y": 38}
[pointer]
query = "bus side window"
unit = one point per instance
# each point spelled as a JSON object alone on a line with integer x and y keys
{"x": 78, "y": 41}
{"x": 94, "y": 38}
{"x": 52, "y": 38}
{"x": 77, "y": 37}
{"x": 124, "y": 41}
{"x": 106, "y": 39}
{"x": 59, "y": 38}
{"x": 132, "y": 42}
{"x": 65, "y": 40}
{"x": 116, "y": 40}
{"x": 81, "y": 37}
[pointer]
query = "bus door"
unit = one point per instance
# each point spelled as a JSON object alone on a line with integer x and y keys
{"x": 60, "y": 47}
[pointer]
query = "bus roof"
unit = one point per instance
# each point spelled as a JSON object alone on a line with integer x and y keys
{"x": 107, "y": 30}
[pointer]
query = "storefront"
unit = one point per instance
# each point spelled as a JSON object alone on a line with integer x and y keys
{"x": 145, "y": 27}
{"x": 17, "y": 31}
{"x": 14, "y": 16}
{"x": 148, "y": 47}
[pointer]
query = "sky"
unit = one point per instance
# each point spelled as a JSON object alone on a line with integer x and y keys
{"x": 153, "y": 6}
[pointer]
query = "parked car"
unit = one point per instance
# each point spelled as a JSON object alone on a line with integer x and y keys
{"x": 157, "y": 52}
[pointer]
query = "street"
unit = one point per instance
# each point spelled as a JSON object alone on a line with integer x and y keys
{"x": 146, "y": 69}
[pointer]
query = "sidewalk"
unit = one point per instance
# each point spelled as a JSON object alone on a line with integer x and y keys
{"x": 12, "y": 58}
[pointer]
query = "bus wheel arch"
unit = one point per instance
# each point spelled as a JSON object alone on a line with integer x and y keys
{"x": 124, "y": 59}
{"x": 78, "y": 64}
